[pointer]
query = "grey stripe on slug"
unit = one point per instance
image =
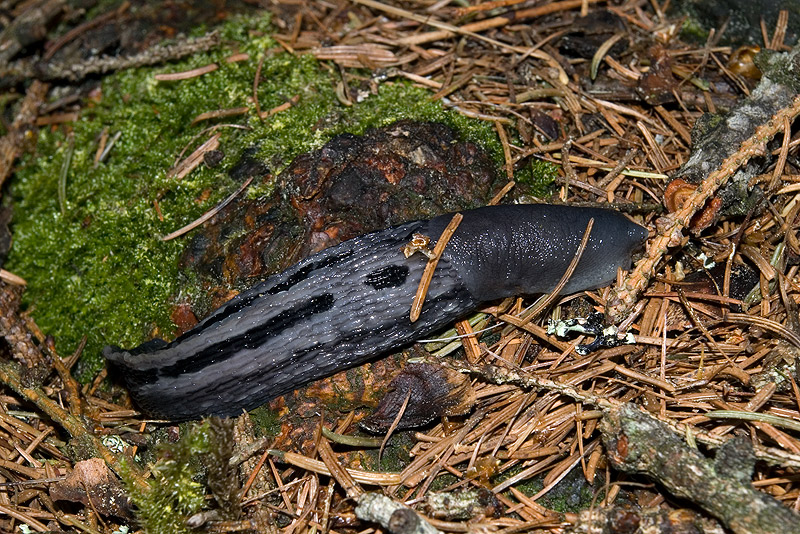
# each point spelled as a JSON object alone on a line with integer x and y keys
{"x": 350, "y": 303}
{"x": 296, "y": 277}
{"x": 250, "y": 339}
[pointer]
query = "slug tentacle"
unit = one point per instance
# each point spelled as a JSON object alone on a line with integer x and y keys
{"x": 342, "y": 306}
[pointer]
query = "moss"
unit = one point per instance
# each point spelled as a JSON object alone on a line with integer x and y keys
{"x": 174, "y": 493}
{"x": 395, "y": 456}
{"x": 572, "y": 494}
{"x": 538, "y": 178}
{"x": 100, "y": 269}
{"x": 781, "y": 68}
{"x": 444, "y": 481}
{"x": 81, "y": 448}
{"x": 740, "y": 18}
{"x": 692, "y": 31}
{"x": 265, "y": 422}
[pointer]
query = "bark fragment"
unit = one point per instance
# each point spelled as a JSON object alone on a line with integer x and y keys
{"x": 638, "y": 443}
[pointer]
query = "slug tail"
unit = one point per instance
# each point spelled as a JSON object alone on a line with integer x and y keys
{"x": 122, "y": 365}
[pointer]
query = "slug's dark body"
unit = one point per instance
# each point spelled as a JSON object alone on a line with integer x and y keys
{"x": 342, "y": 306}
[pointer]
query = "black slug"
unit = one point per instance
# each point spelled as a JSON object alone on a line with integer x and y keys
{"x": 343, "y": 306}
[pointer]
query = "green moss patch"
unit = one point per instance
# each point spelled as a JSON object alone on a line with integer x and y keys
{"x": 175, "y": 491}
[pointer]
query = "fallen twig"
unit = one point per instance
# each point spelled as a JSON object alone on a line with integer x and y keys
{"x": 624, "y": 296}
{"x": 392, "y": 515}
{"x": 14, "y": 142}
{"x": 157, "y": 54}
{"x": 638, "y": 443}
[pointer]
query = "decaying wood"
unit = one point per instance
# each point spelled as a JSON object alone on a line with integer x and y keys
{"x": 637, "y": 444}
{"x": 612, "y": 520}
{"x": 76, "y": 71}
{"x": 13, "y": 144}
{"x": 152, "y": 56}
{"x": 391, "y": 515}
{"x": 29, "y": 27}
